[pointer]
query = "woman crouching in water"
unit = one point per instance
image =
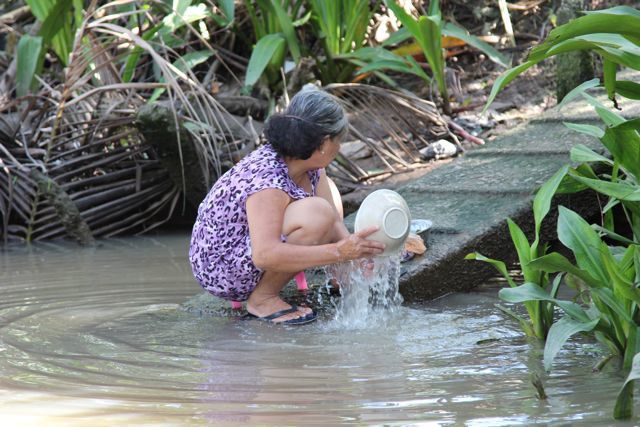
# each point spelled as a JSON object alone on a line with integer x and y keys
{"x": 276, "y": 213}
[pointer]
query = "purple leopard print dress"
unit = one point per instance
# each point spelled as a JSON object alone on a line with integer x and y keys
{"x": 220, "y": 251}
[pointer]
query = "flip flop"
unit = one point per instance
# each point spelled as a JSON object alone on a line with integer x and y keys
{"x": 311, "y": 317}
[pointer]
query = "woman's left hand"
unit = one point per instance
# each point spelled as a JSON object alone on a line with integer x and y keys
{"x": 357, "y": 246}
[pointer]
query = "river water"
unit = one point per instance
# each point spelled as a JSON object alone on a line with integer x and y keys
{"x": 113, "y": 335}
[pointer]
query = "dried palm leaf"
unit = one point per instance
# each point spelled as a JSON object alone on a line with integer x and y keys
{"x": 80, "y": 137}
{"x": 395, "y": 125}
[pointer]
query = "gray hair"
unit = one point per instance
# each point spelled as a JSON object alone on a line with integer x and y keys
{"x": 316, "y": 106}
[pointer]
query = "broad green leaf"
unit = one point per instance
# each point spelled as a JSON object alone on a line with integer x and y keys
{"x": 532, "y": 292}
{"x": 184, "y": 14}
{"x": 288, "y": 31}
{"x": 302, "y": 21}
{"x": 386, "y": 64}
{"x": 612, "y": 235}
{"x": 28, "y": 59}
{"x": 559, "y": 333}
{"x": 577, "y": 91}
{"x": 370, "y": 54}
{"x": 431, "y": 43}
{"x": 609, "y": 75}
{"x": 624, "y": 402}
{"x": 434, "y": 7}
{"x": 570, "y": 185}
{"x": 40, "y": 8}
{"x": 407, "y": 21}
{"x": 228, "y": 8}
{"x": 611, "y": 47}
{"x": 632, "y": 346}
{"x": 621, "y": 285}
{"x": 636, "y": 261}
{"x": 57, "y": 24}
{"x": 628, "y": 89}
{"x": 51, "y": 25}
{"x": 555, "y": 286}
{"x": 576, "y": 234}
{"x": 499, "y": 265}
{"x": 542, "y": 201}
{"x": 606, "y": 296}
{"x": 398, "y": 37}
{"x": 327, "y": 16}
{"x": 623, "y": 142}
{"x": 555, "y": 262}
{"x": 581, "y": 153}
{"x": 354, "y": 20}
{"x": 610, "y": 118}
{"x": 617, "y": 10}
{"x": 626, "y": 23}
{"x": 267, "y": 47}
{"x": 191, "y": 59}
{"x": 522, "y": 249}
{"x": 619, "y": 190}
{"x": 506, "y": 78}
{"x": 591, "y": 130}
{"x": 379, "y": 74}
{"x": 453, "y": 30}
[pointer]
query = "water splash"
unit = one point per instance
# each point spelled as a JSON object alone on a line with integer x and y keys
{"x": 370, "y": 296}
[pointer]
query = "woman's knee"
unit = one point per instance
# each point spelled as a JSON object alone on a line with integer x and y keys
{"x": 337, "y": 199}
{"x": 309, "y": 221}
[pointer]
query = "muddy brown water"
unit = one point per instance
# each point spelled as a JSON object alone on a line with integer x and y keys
{"x": 109, "y": 336}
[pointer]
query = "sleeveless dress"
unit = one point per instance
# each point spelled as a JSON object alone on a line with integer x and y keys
{"x": 220, "y": 250}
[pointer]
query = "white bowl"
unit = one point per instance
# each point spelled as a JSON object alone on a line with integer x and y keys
{"x": 389, "y": 211}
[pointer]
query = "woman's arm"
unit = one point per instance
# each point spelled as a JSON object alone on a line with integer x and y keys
{"x": 265, "y": 213}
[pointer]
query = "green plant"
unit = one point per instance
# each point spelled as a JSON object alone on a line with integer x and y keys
{"x": 275, "y": 34}
{"x": 540, "y": 311}
{"x": 606, "y": 275}
{"x": 611, "y": 33}
{"x": 341, "y": 25}
{"x": 427, "y": 32}
{"x": 59, "y": 20}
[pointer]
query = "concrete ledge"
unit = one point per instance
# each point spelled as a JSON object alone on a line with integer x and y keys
{"x": 470, "y": 199}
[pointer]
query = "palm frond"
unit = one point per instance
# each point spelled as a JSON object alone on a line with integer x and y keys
{"x": 81, "y": 135}
{"x": 395, "y": 125}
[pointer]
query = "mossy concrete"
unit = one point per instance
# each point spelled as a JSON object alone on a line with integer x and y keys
{"x": 470, "y": 199}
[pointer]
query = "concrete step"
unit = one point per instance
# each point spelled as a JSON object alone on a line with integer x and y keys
{"x": 470, "y": 199}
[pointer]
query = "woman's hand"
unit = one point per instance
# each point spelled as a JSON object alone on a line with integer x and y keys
{"x": 357, "y": 246}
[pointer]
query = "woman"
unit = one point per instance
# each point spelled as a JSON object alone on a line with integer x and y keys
{"x": 276, "y": 213}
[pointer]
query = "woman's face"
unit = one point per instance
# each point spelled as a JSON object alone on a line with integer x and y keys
{"x": 329, "y": 149}
{"x": 325, "y": 154}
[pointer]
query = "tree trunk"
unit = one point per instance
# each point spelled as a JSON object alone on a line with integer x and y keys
{"x": 65, "y": 208}
{"x": 175, "y": 149}
{"x": 572, "y": 68}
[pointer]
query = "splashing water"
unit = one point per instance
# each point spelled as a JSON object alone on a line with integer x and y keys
{"x": 370, "y": 295}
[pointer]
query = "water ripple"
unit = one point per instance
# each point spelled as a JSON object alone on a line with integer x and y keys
{"x": 99, "y": 335}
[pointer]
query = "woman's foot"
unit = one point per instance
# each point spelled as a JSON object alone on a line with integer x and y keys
{"x": 266, "y": 306}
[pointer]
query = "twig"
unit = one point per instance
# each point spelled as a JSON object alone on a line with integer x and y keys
{"x": 15, "y": 15}
{"x": 526, "y": 6}
{"x": 466, "y": 135}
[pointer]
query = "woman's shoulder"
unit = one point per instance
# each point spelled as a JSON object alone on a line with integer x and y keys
{"x": 263, "y": 161}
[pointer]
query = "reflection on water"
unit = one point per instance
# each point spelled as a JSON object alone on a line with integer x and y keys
{"x": 99, "y": 336}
